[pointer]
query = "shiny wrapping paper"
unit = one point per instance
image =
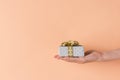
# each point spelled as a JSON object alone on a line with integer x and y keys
{"x": 71, "y": 49}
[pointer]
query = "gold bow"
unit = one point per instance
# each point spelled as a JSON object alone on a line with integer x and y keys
{"x": 70, "y": 45}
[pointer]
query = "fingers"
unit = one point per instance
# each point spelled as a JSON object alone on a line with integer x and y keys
{"x": 71, "y": 59}
{"x": 56, "y": 56}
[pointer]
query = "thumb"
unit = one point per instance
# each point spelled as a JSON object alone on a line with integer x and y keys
{"x": 91, "y": 57}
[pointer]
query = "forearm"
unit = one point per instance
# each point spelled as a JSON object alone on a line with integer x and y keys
{"x": 111, "y": 55}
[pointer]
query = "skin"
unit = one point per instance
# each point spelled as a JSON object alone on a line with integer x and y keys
{"x": 92, "y": 56}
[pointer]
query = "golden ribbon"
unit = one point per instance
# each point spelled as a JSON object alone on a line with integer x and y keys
{"x": 70, "y": 45}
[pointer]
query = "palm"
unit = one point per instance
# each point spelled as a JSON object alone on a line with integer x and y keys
{"x": 90, "y": 55}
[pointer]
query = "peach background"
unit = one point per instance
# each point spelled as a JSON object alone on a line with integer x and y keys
{"x": 32, "y": 30}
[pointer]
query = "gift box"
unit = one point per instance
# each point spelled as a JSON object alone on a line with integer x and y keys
{"x": 71, "y": 48}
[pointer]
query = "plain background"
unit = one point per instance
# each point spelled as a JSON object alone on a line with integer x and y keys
{"x": 32, "y": 30}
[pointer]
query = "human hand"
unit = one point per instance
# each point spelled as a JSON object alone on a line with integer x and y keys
{"x": 90, "y": 56}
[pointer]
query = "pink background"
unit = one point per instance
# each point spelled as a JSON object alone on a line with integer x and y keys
{"x": 32, "y": 30}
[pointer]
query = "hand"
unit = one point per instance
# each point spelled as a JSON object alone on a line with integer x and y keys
{"x": 90, "y": 56}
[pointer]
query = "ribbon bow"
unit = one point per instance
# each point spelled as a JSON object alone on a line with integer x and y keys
{"x": 70, "y": 43}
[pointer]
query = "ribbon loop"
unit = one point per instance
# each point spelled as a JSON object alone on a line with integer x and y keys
{"x": 70, "y": 43}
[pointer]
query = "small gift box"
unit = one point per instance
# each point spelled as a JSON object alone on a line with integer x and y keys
{"x": 71, "y": 49}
